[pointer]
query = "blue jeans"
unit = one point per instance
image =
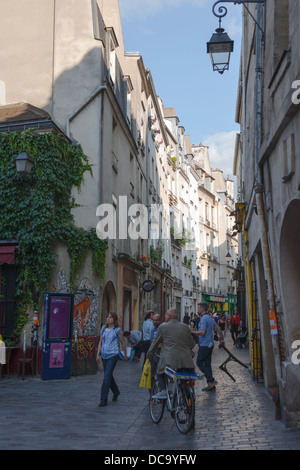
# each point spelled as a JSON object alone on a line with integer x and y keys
{"x": 204, "y": 362}
{"x": 108, "y": 380}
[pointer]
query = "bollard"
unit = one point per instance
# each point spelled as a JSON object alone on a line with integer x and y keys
{"x": 76, "y": 352}
{"x": 24, "y": 353}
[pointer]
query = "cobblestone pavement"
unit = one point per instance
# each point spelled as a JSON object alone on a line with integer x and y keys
{"x": 54, "y": 415}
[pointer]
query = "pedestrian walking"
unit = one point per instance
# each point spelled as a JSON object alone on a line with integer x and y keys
{"x": 186, "y": 319}
{"x": 108, "y": 348}
{"x": 196, "y": 321}
{"x": 206, "y": 329}
{"x": 223, "y": 324}
{"x": 155, "y": 358}
{"x": 147, "y": 331}
{"x": 234, "y": 325}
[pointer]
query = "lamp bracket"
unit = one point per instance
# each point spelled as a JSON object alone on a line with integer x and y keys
{"x": 222, "y": 10}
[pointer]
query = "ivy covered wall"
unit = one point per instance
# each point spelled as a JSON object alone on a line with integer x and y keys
{"x": 36, "y": 212}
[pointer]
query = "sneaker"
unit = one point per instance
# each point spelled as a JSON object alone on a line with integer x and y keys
{"x": 210, "y": 386}
{"x": 160, "y": 396}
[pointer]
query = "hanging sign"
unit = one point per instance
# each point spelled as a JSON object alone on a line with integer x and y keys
{"x": 148, "y": 285}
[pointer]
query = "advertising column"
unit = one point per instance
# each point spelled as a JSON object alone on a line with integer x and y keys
{"x": 57, "y": 336}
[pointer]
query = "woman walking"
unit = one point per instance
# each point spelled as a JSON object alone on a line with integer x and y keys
{"x": 110, "y": 336}
{"x": 223, "y": 324}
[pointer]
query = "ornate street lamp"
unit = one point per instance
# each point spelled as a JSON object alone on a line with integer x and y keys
{"x": 220, "y": 45}
{"x": 219, "y": 48}
{"x": 24, "y": 163}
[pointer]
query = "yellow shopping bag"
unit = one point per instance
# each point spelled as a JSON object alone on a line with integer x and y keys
{"x": 146, "y": 376}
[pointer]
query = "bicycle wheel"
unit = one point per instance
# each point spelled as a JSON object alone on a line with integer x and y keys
{"x": 184, "y": 408}
{"x": 156, "y": 407}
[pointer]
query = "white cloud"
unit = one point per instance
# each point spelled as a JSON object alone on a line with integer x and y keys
{"x": 234, "y": 27}
{"x": 221, "y": 151}
{"x": 131, "y": 9}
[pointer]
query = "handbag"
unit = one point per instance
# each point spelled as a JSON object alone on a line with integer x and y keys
{"x": 146, "y": 376}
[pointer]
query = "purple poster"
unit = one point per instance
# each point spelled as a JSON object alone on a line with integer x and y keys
{"x": 59, "y": 317}
{"x": 57, "y": 352}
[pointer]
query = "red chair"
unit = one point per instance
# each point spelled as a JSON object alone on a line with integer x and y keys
{"x": 29, "y": 356}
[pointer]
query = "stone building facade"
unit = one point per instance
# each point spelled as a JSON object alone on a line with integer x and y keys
{"x": 268, "y": 208}
{"x": 146, "y": 173}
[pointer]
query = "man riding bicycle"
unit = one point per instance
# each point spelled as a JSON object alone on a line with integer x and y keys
{"x": 177, "y": 343}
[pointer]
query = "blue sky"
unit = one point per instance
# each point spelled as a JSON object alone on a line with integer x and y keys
{"x": 171, "y": 36}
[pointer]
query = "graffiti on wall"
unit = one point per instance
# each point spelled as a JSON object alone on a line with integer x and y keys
{"x": 86, "y": 303}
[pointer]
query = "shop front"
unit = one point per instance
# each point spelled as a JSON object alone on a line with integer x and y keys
{"x": 216, "y": 303}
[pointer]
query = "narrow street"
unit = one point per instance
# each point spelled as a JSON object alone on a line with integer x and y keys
{"x": 64, "y": 415}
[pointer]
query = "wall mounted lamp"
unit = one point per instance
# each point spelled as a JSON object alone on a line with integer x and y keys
{"x": 220, "y": 45}
{"x": 24, "y": 163}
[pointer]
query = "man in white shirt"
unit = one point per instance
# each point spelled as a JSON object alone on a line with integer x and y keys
{"x": 147, "y": 332}
{"x": 148, "y": 325}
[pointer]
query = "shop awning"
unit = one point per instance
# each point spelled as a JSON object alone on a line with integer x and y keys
{"x": 7, "y": 254}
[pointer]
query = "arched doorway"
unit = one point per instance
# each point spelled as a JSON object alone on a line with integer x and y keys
{"x": 290, "y": 268}
{"x": 290, "y": 275}
{"x": 109, "y": 301}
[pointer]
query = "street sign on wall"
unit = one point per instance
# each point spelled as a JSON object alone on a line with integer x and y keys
{"x": 148, "y": 285}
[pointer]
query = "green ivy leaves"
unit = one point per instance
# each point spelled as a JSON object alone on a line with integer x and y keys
{"x": 36, "y": 210}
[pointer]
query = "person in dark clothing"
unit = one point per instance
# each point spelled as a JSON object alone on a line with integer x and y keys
{"x": 242, "y": 338}
{"x": 234, "y": 325}
{"x": 223, "y": 324}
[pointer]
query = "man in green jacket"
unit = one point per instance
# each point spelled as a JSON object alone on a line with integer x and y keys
{"x": 177, "y": 345}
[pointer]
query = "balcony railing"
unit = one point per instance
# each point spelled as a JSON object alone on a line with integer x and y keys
{"x": 166, "y": 267}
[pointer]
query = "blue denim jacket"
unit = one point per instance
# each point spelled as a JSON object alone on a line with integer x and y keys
{"x": 110, "y": 342}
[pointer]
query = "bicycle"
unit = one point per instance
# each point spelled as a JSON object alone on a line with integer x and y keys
{"x": 180, "y": 401}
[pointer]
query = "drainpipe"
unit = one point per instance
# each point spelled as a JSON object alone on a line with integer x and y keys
{"x": 101, "y": 157}
{"x": 259, "y": 187}
{"x": 243, "y": 166}
{"x": 147, "y": 172}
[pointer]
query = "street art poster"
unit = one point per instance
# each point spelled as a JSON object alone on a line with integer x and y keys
{"x": 56, "y": 359}
{"x": 85, "y": 304}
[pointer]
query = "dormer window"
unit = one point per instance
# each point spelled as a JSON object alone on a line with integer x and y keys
{"x": 127, "y": 94}
{"x": 111, "y": 51}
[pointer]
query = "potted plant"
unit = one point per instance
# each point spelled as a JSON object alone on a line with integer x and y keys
{"x": 156, "y": 253}
{"x": 145, "y": 261}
